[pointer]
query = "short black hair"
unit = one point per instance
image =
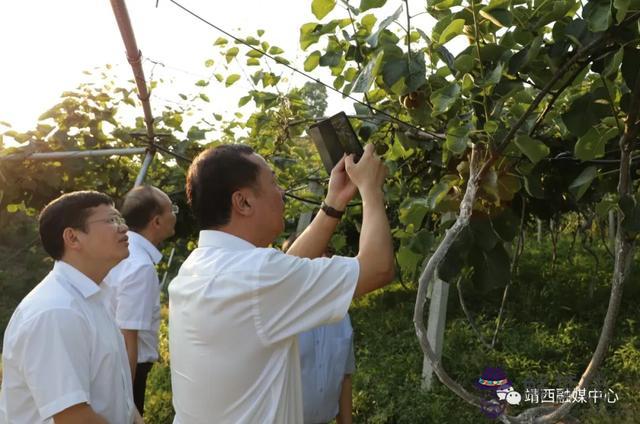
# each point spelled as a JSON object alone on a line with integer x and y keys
{"x": 213, "y": 177}
{"x": 139, "y": 206}
{"x": 67, "y": 211}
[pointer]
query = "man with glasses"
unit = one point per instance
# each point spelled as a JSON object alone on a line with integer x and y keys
{"x": 134, "y": 283}
{"x": 63, "y": 358}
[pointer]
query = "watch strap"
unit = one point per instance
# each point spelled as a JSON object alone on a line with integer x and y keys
{"x": 332, "y": 212}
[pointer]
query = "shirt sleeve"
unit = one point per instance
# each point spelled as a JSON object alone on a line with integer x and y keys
{"x": 292, "y": 294}
{"x": 57, "y": 361}
{"x": 135, "y": 298}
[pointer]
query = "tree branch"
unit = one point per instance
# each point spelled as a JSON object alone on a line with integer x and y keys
{"x": 429, "y": 273}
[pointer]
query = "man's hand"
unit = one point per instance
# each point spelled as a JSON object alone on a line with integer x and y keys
{"x": 341, "y": 188}
{"x": 369, "y": 173}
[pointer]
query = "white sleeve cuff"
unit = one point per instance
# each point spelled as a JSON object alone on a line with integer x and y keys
{"x": 134, "y": 325}
{"x": 63, "y": 402}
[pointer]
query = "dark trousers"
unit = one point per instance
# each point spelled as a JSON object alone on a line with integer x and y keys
{"x": 140, "y": 384}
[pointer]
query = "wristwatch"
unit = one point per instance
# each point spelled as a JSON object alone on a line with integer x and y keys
{"x": 333, "y": 213}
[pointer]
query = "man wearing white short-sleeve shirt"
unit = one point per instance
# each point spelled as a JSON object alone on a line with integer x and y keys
{"x": 63, "y": 357}
{"x": 134, "y": 283}
{"x": 237, "y": 305}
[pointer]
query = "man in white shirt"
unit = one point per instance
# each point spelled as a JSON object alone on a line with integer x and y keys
{"x": 63, "y": 356}
{"x": 237, "y": 305}
{"x": 134, "y": 283}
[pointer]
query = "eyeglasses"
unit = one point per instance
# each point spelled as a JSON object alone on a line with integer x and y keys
{"x": 175, "y": 209}
{"x": 115, "y": 220}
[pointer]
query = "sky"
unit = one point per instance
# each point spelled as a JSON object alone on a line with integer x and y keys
{"x": 46, "y": 45}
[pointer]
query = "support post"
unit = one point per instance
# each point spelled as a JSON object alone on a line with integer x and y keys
{"x": 305, "y": 217}
{"x": 435, "y": 328}
{"x": 144, "y": 168}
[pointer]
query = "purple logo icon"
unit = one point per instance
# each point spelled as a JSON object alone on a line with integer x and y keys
{"x": 497, "y": 390}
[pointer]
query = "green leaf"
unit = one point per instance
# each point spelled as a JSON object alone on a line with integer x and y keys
{"x": 202, "y": 83}
{"x": 508, "y": 186}
{"x": 204, "y": 97}
{"x": 464, "y": 63}
{"x": 500, "y": 17}
{"x": 367, "y": 75}
{"x": 13, "y": 208}
{"x": 275, "y": 50}
{"x": 311, "y": 62}
{"x": 320, "y": 8}
{"x": 394, "y": 70}
{"x": 452, "y": 30}
{"x": 220, "y": 41}
{"x": 408, "y": 260}
{"x": 440, "y": 190}
{"x": 621, "y": 6}
{"x": 231, "y": 53}
{"x": 493, "y": 77}
{"x": 421, "y": 242}
{"x": 252, "y": 41}
{"x": 252, "y": 61}
{"x": 457, "y": 136}
{"x": 534, "y": 149}
{"x": 506, "y": 225}
{"x": 309, "y": 34}
{"x": 372, "y": 40}
{"x": 244, "y": 100}
{"x": 597, "y": 13}
{"x": 231, "y": 79}
{"x": 413, "y": 213}
{"x": 371, "y": 4}
{"x": 584, "y": 113}
{"x": 444, "y": 4}
{"x": 443, "y": 98}
{"x": 254, "y": 54}
{"x": 590, "y": 146}
{"x": 368, "y": 21}
{"x": 580, "y": 185}
{"x": 559, "y": 9}
{"x": 219, "y": 77}
{"x": 612, "y": 68}
{"x": 609, "y": 201}
{"x": 483, "y": 233}
{"x": 208, "y": 63}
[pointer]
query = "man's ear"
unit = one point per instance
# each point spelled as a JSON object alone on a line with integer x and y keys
{"x": 156, "y": 221}
{"x": 71, "y": 239}
{"x": 241, "y": 203}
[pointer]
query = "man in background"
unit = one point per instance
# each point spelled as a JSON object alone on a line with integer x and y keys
{"x": 134, "y": 283}
{"x": 63, "y": 357}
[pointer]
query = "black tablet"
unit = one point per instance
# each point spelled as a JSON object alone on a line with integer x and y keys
{"x": 334, "y": 137}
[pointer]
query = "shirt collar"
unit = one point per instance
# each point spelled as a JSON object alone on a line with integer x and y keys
{"x": 86, "y": 286}
{"x": 213, "y": 238}
{"x": 142, "y": 243}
